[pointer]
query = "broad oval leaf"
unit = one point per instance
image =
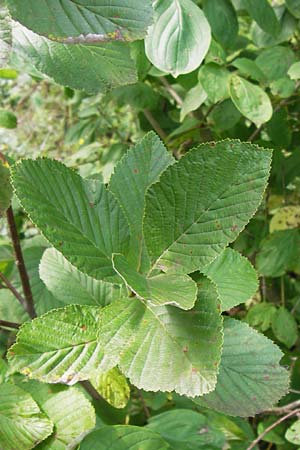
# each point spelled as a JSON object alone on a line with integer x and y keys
{"x": 109, "y": 65}
{"x": 165, "y": 348}
{"x": 267, "y": 61}
{"x": 7, "y": 119}
{"x": 250, "y": 379}
{"x": 223, "y": 21}
{"x": 86, "y": 227}
{"x": 162, "y": 289}
{"x": 215, "y": 79}
{"x": 179, "y": 39}
{"x": 113, "y": 387}
{"x": 137, "y": 170}
{"x": 59, "y": 347}
{"x": 193, "y": 100}
{"x": 262, "y": 12}
{"x": 294, "y": 71}
{"x": 207, "y": 198}
{"x": 70, "y": 285}
{"x": 22, "y": 424}
{"x": 293, "y": 433}
{"x": 285, "y": 327}
{"x": 234, "y": 276}
{"x": 84, "y": 21}
{"x": 250, "y": 100}
{"x": 123, "y": 437}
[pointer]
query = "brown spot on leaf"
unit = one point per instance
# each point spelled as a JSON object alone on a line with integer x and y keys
{"x": 234, "y": 227}
{"x": 135, "y": 171}
{"x": 185, "y": 349}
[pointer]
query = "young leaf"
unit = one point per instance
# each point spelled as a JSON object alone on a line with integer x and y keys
{"x": 83, "y": 21}
{"x": 108, "y": 65}
{"x": 260, "y": 316}
{"x": 285, "y": 327}
{"x": 180, "y": 37}
{"x": 294, "y": 71}
{"x": 234, "y": 276}
{"x": 250, "y": 100}
{"x": 87, "y": 227}
{"x": 22, "y": 424}
{"x": 293, "y": 433}
{"x": 222, "y": 18}
{"x": 193, "y": 100}
{"x": 70, "y": 285}
{"x": 214, "y": 79}
{"x": 250, "y": 379}
{"x": 164, "y": 348}
{"x": 123, "y": 437}
{"x": 184, "y": 429}
{"x": 60, "y": 346}
{"x": 177, "y": 290}
{"x": 6, "y": 191}
{"x": 206, "y": 198}
{"x": 262, "y": 12}
{"x": 113, "y": 387}
{"x": 137, "y": 170}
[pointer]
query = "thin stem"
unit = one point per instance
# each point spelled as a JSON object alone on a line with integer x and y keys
{"x": 280, "y": 410}
{"x": 282, "y": 291}
{"x": 91, "y": 390}
{"x": 28, "y": 305}
{"x": 5, "y": 324}
{"x": 12, "y": 289}
{"x": 155, "y": 125}
{"x": 171, "y": 91}
{"x": 145, "y": 407}
{"x": 271, "y": 427}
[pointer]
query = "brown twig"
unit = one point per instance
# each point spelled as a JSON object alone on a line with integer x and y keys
{"x": 171, "y": 91}
{"x": 155, "y": 125}
{"x": 280, "y": 410}
{"x": 271, "y": 427}
{"x": 28, "y": 305}
{"x": 12, "y": 289}
{"x": 145, "y": 407}
{"x": 91, "y": 390}
{"x": 5, "y": 324}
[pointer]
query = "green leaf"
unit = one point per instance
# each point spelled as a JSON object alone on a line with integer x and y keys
{"x": 82, "y": 21}
{"x": 193, "y": 100}
{"x": 249, "y": 68}
{"x": 294, "y": 71}
{"x": 285, "y": 218}
{"x": 86, "y": 226}
{"x": 234, "y": 276}
{"x": 207, "y": 198}
{"x": 250, "y": 379}
{"x": 214, "y": 79}
{"x": 262, "y": 12}
{"x": 267, "y": 61}
{"x": 6, "y": 191}
{"x": 184, "y": 429}
{"x": 108, "y": 65}
{"x": 225, "y": 115}
{"x": 5, "y": 35}
{"x": 283, "y": 87}
{"x": 285, "y": 327}
{"x": 294, "y": 7}
{"x": 113, "y": 387}
{"x": 133, "y": 175}
{"x": 177, "y": 290}
{"x": 179, "y": 39}
{"x": 250, "y": 100}
{"x": 123, "y": 437}
{"x": 72, "y": 415}
{"x": 260, "y": 316}
{"x": 278, "y": 128}
{"x": 7, "y": 119}
{"x": 60, "y": 346}
{"x": 288, "y": 25}
{"x": 293, "y": 433}
{"x": 164, "y": 348}
{"x": 71, "y": 286}
{"x": 278, "y": 253}
{"x": 22, "y": 424}
{"x": 222, "y": 18}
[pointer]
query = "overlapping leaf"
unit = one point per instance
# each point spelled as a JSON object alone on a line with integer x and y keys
{"x": 6, "y": 189}
{"x": 138, "y": 169}
{"x": 234, "y": 277}
{"x": 109, "y": 65}
{"x": 179, "y": 39}
{"x": 22, "y": 424}
{"x": 78, "y": 21}
{"x": 202, "y": 203}
{"x": 177, "y": 290}
{"x": 250, "y": 379}
{"x": 86, "y": 227}
{"x": 113, "y": 387}
{"x": 71, "y": 286}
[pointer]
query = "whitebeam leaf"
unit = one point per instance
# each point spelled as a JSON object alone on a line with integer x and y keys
{"x": 22, "y": 424}
{"x": 177, "y": 290}
{"x": 165, "y": 348}
{"x": 60, "y": 346}
{"x": 201, "y": 204}
{"x": 250, "y": 379}
{"x": 109, "y": 65}
{"x": 84, "y": 21}
{"x": 137, "y": 170}
{"x": 87, "y": 227}
{"x": 71, "y": 286}
{"x": 234, "y": 276}
{"x": 180, "y": 37}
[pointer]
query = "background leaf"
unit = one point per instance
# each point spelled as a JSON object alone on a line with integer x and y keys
{"x": 222, "y": 18}
{"x": 285, "y": 327}
{"x": 113, "y": 387}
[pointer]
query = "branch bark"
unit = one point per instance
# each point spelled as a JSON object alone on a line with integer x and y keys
{"x": 6, "y": 324}
{"x": 12, "y": 289}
